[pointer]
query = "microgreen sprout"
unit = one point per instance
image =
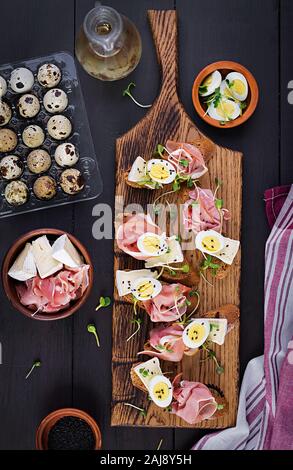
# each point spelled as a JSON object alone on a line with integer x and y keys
{"x": 137, "y": 322}
{"x": 209, "y": 264}
{"x": 159, "y": 150}
{"x": 185, "y": 318}
{"x": 184, "y": 269}
{"x": 127, "y": 92}
{"x": 104, "y": 302}
{"x": 220, "y": 406}
{"x": 35, "y": 364}
{"x": 212, "y": 355}
{"x": 92, "y": 329}
{"x": 142, "y": 412}
{"x": 144, "y": 372}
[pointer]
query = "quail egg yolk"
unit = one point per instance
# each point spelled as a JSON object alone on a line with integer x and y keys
{"x": 158, "y": 171}
{"x": 161, "y": 391}
{"x": 238, "y": 87}
{"x": 225, "y": 109}
{"x": 211, "y": 244}
{"x": 208, "y": 80}
{"x": 151, "y": 244}
{"x": 145, "y": 289}
{"x": 196, "y": 333}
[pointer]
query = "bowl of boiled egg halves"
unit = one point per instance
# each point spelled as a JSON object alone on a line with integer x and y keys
{"x": 225, "y": 94}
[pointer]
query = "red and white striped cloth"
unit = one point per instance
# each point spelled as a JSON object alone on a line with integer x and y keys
{"x": 265, "y": 413}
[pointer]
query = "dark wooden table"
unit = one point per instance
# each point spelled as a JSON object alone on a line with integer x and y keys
{"x": 256, "y": 33}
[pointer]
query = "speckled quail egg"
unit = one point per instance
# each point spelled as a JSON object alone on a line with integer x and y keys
{"x": 38, "y": 161}
{"x": 59, "y": 127}
{"x": 3, "y": 86}
{"x": 11, "y": 167}
{"x": 16, "y": 193}
{"x": 33, "y": 136}
{"x": 66, "y": 155}
{"x": 71, "y": 181}
{"x": 28, "y": 106}
{"x": 8, "y": 140}
{"x": 210, "y": 83}
{"x": 5, "y": 113}
{"x": 21, "y": 80}
{"x": 49, "y": 75}
{"x": 45, "y": 187}
{"x": 55, "y": 100}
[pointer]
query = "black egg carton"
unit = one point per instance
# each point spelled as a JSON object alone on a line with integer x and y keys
{"x": 80, "y": 136}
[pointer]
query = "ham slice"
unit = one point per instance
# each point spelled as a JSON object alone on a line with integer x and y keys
{"x": 55, "y": 292}
{"x": 167, "y": 341}
{"x": 200, "y": 212}
{"x": 169, "y": 305}
{"x": 193, "y": 401}
{"x": 133, "y": 227}
{"x": 187, "y": 159}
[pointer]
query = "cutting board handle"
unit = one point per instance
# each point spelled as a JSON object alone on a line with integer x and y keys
{"x": 164, "y": 29}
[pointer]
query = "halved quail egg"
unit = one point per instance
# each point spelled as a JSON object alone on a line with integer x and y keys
{"x": 145, "y": 288}
{"x": 210, "y": 83}
{"x": 151, "y": 244}
{"x": 196, "y": 333}
{"x": 161, "y": 391}
{"x": 209, "y": 241}
{"x": 161, "y": 171}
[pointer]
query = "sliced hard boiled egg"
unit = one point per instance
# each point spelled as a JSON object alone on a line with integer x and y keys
{"x": 226, "y": 110}
{"x": 196, "y": 333}
{"x": 161, "y": 171}
{"x": 151, "y": 244}
{"x": 209, "y": 241}
{"x": 161, "y": 391}
{"x": 210, "y": 83}
{"x": 237, "y": 84}
{"x": 145, "y": 288}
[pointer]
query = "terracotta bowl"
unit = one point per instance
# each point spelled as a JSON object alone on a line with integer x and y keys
{"x": 9, "y": 283}
{"x": 48, "y": 422}
{"x": 226, "y": 67}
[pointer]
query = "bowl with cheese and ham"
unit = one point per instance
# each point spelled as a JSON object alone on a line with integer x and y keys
{"x": 47, "y": 274}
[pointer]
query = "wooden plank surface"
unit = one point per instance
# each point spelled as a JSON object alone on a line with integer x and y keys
{"x": 168, "y": 120}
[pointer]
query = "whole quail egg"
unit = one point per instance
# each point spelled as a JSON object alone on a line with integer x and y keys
{"x": 49, "y": 75}
{"x": 33, "y": 136}
{"x": 59, "y": 127}
{"x": 3, "y": 86}
{"x": 55, "y": 100}
{"x": 66, "y": 155}
{"x": 45, "y": 187}
{"x": 21, "y": 80}
{"x": 16, "y": 193}
{"x": 8, "y": 140}
{"x": 11, "y": 167}
{"x": 5, "y": 113}
{"x": 38, "y": 161}
{"x": 71, "y": 181}
{"x": 28, "y": 106}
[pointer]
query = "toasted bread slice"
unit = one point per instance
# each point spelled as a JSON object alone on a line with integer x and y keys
{"x": 220, "y": 399}
{"x": 132, "y": 183}
{"x": 228, "y": 311}
{"x": 136, "y": 382}
{"x": 190, "y": 279}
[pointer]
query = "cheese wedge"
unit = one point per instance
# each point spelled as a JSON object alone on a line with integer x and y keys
{"x": 65, "y": 252}
{"x": 146, "y": 371}
{"x": 46, "y": 264}
{"x": 228, "y": 253}
{"x": 218, "y": 330}
{"x": 24, "y": 267}
{"x": 124, "y": 279}
{"x": 138, "y": 170}
{"x": 173, "y": 255}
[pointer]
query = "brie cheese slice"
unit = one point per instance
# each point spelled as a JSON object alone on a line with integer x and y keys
{"x": 24, "y": 267}
{"x": 65, "y": 252}
{"x": 138, "y": 170}
{"x": 124, "y": 279}
{"x": 173, "y": 255}
{"x": 218, "y": 330}
{"x": 146, "y": 371}
{"x": 228, "y": 253}
{"x": 46, "y": 264}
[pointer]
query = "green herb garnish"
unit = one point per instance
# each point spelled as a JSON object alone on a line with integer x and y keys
{"x": 137, "y": 322}
{"x": 104, "y": 302}
{"x": 35, "y": 364}
{"x": 127, "y": 92}
{"x": 159, "y": 150}
{"x": 92, "y": 329}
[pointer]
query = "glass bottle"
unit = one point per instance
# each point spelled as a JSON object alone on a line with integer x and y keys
{"x": 108, "y": 45}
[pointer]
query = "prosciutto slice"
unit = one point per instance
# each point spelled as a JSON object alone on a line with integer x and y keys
{"x": 193, "y": 401}
{"x": 200, "y": 212}
{"x": 133, "y": 227}
{"x": 55, "y": 292}
{"x": 169, "y": 305}
{"x": 167, "y": 341}
{"x": 187, "y": 158}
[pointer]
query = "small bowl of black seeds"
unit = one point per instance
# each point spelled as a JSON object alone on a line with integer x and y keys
{"x": 68, "y": 429}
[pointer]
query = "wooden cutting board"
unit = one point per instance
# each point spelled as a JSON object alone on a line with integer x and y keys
{"x": 168, "y": 120}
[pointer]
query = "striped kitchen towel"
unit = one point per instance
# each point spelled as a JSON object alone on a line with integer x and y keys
{"x": 265, "y": 413}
